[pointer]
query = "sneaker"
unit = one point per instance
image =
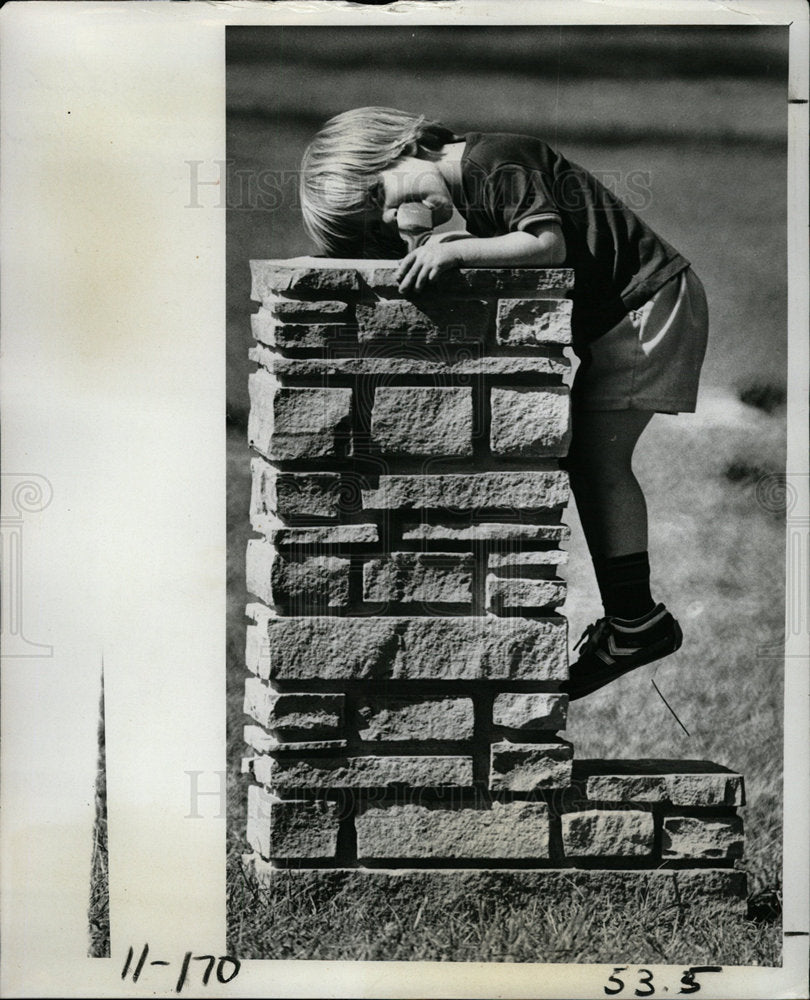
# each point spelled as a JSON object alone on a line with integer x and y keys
{"x": 613, "y": 646}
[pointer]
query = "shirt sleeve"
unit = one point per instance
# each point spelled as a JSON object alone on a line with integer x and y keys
{"x": 517, "y": 196}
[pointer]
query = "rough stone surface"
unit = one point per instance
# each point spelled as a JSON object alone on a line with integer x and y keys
{"x": 290, "y": 829}
{"x": 287, "y": 424}
{"x": 428, "y": 647}
{"x": 607, "y": 833}
{"x": 289, "y": 495}
{"x": 422, "y": 421}
{"x": 433, "y": 577}
{"x": 540, "y": 367}
{"x": 310, "y": 585}
{"x": 718, "y": 838}
{"x": 486, "y": 531}
{"x": 527, "y": 565}
{"x": 529, "y": 322}
{"x": 471, "y": 491}
{"x": 257, "y": 651}
{"x": 391, "y": 719}
{"x": 306, "y": 311}
{"x": 326, "y": 276}
{"x": 503, "y": 596}
{"x": 290, "y": 712}
{"x": 336, "y": 535}
{"x": 530, "y": 423}
{"x": 706, "y": 789}
{"x": 301, "y": 275}
{"x": 682, "y": 782}
{"x": 363, "y": 772}
{"x": 264, "y": 742}
{"x": 627, "y": 788}
{"x": 520, "y": 710}
{"x": 526, "y": 767}
{"x": 270, "y": 330}
{"x": 381, "y": 276}
{"x": 506, "y": 830}
{"x": 258, "y": 700}
{"x": 445, "y": 320}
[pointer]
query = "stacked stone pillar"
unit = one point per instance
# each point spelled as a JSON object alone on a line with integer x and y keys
{"x": 405, "y": 645}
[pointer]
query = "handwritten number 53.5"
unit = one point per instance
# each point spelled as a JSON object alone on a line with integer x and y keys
{"x": 645, "y": 981}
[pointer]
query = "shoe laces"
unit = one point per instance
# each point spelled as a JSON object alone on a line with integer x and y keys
{"x": 592, "y": 634}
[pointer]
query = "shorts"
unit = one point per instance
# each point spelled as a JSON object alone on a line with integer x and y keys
{"x": 651, "y": 359}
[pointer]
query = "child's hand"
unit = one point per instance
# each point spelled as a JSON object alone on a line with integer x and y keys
{"x": 425, "y": 263}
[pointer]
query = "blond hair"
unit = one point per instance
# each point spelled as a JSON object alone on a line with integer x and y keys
{"x": 340, "y": 174}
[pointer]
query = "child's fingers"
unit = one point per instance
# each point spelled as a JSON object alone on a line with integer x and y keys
{"x": 406, "y": 273}
{"x": 406, "y": 262}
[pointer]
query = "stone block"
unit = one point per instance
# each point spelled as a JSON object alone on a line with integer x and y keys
{"x": 307, "y": 310}
{"x": 526, "y": 565}
{"x": 422, "y": 421}
{"x": 607, "y": 833}
{"x": 258, "y": 702}
{"x": 302, "y": 275}
{"x": 428, "y": 319}
{"x": 506, "y": 830}
{"x": 627, "y": 788}
{"x": 530, "y": 423}
{"x": 684, "y": 783}
{"x": 542, "y": 368}
{"x": 715, "y": 837}
{"x": 286, "y": 424}
{"x": 546, "y": 490}
{"x": 530, "y": 322}
{"x": 282, "y": 775}
{"x": 310, "y": 584}
{"x": 257, "y": 651}
{"x": 392, "y": 719}
{"x": 706, "y": 789}
{"x": 333, "y": 535}
{"x": 263, "y": 742}
{"x": 505, "y": 596}
{"x": 527, "y": 767}
{"x": 339, "y": 278}
{"x": 432, "y": 577}
{"x": 273, "y": 332}
{"x": 527, "y": 282}
{"x": 530, "y": 710}
{"x": 418, "y": 648}
{"x": 290, "y": 829}
{"x": 487, "y": 531}
{"x": 290, "y": 495}
{"x": 290, "y": 712}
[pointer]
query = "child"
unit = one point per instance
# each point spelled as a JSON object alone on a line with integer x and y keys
{"x": 639, "y": 316}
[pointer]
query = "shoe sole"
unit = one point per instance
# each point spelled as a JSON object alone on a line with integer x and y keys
{"x": 654, "y": 652}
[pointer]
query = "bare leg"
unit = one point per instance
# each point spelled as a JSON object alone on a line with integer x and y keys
{"x": 609, "y": 499}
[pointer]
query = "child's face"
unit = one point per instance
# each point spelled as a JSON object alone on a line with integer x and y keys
{"x": 412, "y": 179}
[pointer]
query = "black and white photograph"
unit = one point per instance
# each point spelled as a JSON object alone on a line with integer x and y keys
{"x": 437, "y": 774}
{"x": 432, "y": 616}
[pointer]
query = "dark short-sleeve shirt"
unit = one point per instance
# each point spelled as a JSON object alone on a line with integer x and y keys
{"x": 511, "y": 181}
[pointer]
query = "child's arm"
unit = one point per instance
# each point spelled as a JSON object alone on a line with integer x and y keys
{"x": 543, "y": 247}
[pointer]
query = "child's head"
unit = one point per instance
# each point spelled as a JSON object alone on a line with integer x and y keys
{"x": 341, "y": 191}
